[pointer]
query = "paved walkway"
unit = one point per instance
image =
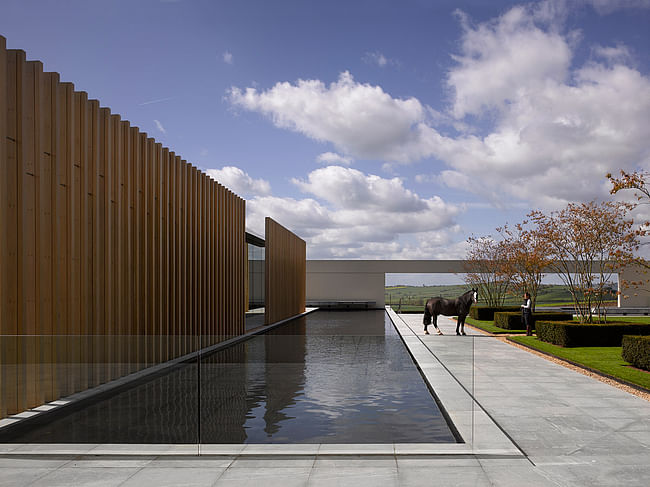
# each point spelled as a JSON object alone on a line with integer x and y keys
{"x": 575, "y": 431}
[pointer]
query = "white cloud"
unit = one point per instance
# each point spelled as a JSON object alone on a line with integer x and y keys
{"x": 608, "y": 6}
{"x": 359, "y": 119}
{"x": 160, "y": 127}
{"x": 619, "y": 54}
{"x": 227, "y": 57}
{"x": 504, "y": 59}
{"x": 376, "y": 58}
{"x": 240, "y": 182}
{"x": 333, "y": 158}
{"x": 353, "y": 214}
{"x": 379, "y": 59}
{"x": 549, "y": 130}
{"x": 426, "y": 178}
{"x": 557, "y": 131}
{"x": 349, "y": 188}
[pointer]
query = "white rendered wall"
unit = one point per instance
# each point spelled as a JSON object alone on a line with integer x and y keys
{"x": 345, "y": 286}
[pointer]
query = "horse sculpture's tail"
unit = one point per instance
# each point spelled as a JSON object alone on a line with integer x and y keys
{"x": 427, "y": 316}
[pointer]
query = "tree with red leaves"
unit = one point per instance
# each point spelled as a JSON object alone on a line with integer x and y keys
{"x": 588, "y": 243}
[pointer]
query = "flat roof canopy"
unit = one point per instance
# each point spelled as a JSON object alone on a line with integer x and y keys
{"x": 388, "y": 266}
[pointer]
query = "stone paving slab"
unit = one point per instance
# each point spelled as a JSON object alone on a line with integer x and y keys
{"x": 575, "y": 429}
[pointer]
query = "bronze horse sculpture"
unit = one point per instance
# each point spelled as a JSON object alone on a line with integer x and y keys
{"x": 449, "y": 307}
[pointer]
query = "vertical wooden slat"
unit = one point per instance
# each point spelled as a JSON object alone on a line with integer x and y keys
{"x": 222, "y": 259}
{"x": 136, "y": 271}
{"x": 183, "y": 260}
{"x": 8, "y": 271}
{"x": 12, "y": 253}
{"x": 72, "y": 238}
{"x": 164, "y": 258}
{"x": 38, "y": 258}
{"x": 227, "y": 272}
{"x": 173, "y": 300}
{"x": 97, "y": 243}
{"x": 81, "y": 269}
{"x": 144, "y": 242}
{"x": 157, "y": 253}
{"x": 149, "y": 253}
{"x": 59, "y": 220}
{"x": 213, "y": 295}
{"x": 117, "y": 256}
{"x": 192, "y": 267}
{"x": 126, "y": 281}
{"x": 203, "y": 259}
{"x": 75, "y": 236}
{"x": 177, "y": 256}
{"x": 200, "y": 198}
{"x": 87, "y": 215}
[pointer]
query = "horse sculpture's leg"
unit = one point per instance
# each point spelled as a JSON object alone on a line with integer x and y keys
{"x": 461, "y": 323}
{"x": 427, "y": 319}
{"x": 435, "y": 323}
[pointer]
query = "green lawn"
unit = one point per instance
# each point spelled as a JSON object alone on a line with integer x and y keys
{"x": 604, "y": 359}
{"x": 629, "y": 319}
{"x": 487, "y": 325}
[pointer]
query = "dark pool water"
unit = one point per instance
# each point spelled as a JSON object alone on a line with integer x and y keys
{"x": 329, "y": 377}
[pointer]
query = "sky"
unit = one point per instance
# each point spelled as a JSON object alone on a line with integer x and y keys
{"x": 373, "y": 129}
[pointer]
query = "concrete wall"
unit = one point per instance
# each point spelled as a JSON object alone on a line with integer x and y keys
{"x": 345, "y": 286}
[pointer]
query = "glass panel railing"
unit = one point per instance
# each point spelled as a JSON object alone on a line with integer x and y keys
{"x": 330, "y": 377}
{"x": 98, "y": 389}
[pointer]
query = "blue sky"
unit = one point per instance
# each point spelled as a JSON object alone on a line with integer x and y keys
{"x": 373, "y": 129}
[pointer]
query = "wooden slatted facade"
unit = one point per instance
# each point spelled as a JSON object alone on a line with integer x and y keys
{"x": 115, "y": 254}
{"x": 285, "y": 271}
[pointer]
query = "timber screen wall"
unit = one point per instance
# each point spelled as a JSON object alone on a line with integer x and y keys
{"x": 115, "y": 254}
{"x": 285, "y": 273}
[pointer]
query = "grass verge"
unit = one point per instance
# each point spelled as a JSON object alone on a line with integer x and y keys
{"x": 626, "y": 319}
{"x": 606, "y": 360}
{"x": 489, "y": 326}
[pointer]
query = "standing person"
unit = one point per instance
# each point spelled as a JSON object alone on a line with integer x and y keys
{"x": 527, "y": 314}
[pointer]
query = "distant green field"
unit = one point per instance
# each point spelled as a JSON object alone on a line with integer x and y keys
{"x": 549, "y": 295}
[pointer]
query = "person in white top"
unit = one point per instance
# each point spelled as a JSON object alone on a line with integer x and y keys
{"x": 527, "y": 314}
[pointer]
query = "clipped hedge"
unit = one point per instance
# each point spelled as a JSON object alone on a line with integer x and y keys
{"x": 486, "y": 313}
{"x": 512, "y": 320}
{"x": 636, "y": 350}
{"x": 588, "y": 335}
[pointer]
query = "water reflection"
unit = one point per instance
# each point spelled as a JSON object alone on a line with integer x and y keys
{"x": 330, "y": 377}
